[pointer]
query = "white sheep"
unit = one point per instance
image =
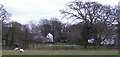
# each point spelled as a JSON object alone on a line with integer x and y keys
{"x": 16, "y": 49}
{"x": 21, "y": 50}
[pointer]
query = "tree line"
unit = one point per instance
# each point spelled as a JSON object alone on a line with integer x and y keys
{"x": 97, "y": 21}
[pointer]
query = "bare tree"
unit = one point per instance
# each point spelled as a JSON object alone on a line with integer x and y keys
{"x": 90, "y": 13}
{"x": 4, "y": 15}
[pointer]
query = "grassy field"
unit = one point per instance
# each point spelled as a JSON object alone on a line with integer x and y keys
{"x": 61, "y": 52}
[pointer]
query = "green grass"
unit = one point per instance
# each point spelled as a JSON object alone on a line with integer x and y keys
{"x": 0, "y": 52}
{"x": 61, "y": 52}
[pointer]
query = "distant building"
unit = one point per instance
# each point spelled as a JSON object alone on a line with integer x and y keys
{"x": 90, "y": 41}
{"x": 49, "y": 37}
{"x": 110, "y": 40}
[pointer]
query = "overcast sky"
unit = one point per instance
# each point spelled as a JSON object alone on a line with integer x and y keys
{"x": 24, "y": 11}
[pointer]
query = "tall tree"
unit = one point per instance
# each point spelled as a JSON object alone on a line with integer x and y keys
{"x": 56, "y": 29}
{"x": 45, "y": 27}
{"x": 117, "y": 14}
{"x": 89, "y": 13}
{"x": 53, "y": 26}
{"x": 4, "y": 15}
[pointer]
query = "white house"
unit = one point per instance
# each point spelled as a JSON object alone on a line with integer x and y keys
{"x": 50, "y": 37}
{"x": 90, "y": 41}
